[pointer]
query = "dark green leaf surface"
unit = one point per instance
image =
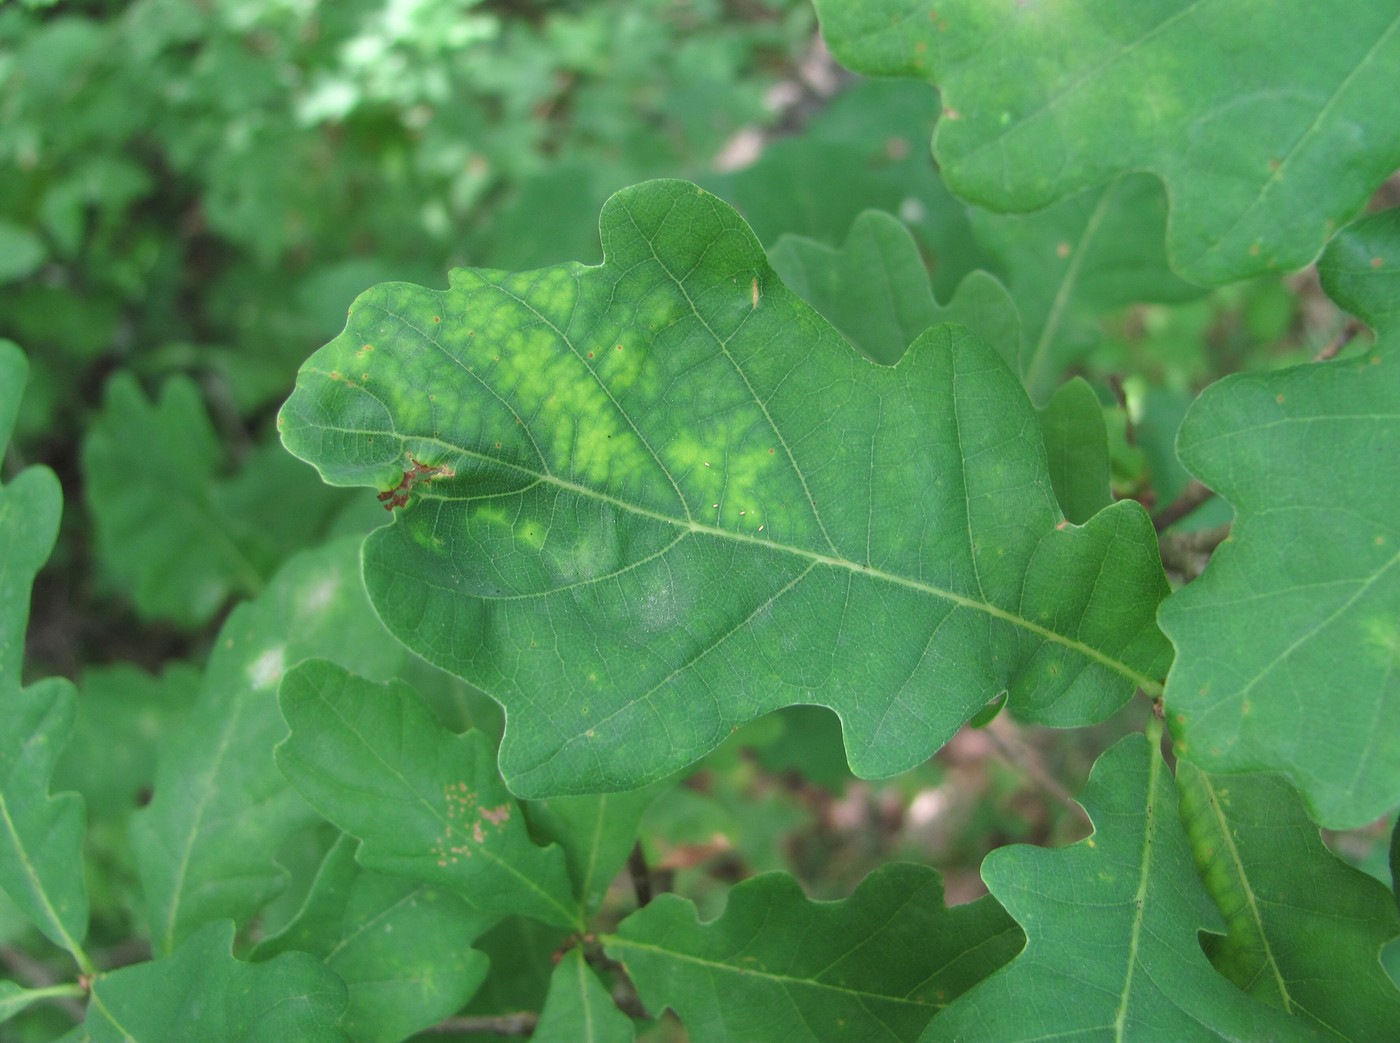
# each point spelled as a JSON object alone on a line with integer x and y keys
{"x": 424, "y": 803}
{"x": 41, "y": 839}
{"x": 123, "y": 714}
{"x": 1287, "y": 646}
{"x": 1068, "y": 265}
{"x": 1076, "y": 449}
{"x": 206, "y": 845}
{"x": 402, "y": 948}
{"x": 173, "y": 533}
{"x": 579, "y": 1009}
{"x": 866, "y": 149}
{"x": 875, "y": 290}
{"x": 778, "y": 966}
{"x": 41, "y": 836}
{"x": 597, "y": 833}
{"x": 148, "y": 472}
{"x": 1395, "y": 862}
{"x": 1111, "y": 926}
{"x": 660, "y": 497}
{"x": 1304, "y": 929}
{"x": 1269, "y": 128}
{"x": 202, "y": 993}
{"x": 30, "y": 506}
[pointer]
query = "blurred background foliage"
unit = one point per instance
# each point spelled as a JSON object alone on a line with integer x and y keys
{"x": 193, "y": 191}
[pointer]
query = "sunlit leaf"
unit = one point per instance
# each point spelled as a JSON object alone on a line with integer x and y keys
{"x": 648, "y": 501}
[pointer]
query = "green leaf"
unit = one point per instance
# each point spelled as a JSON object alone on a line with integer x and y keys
{"x": 1304, "y": 597}
{"x": 521, "y": 950}
{"x": 124, "y": 714}
{"x": 160, "y": 534}
{"x": 21, "y": 251}
{"x": 597, "y": 833}
{"x": 779, "y": 966}
{"x": 14, "y": 999}
{"x": 1267, "y": 134}
{"x": 41, "y": 842}
{"x": 1076, "y": 449}
{"x": 579, "y": 1009}
{"x": 1304, "y": 929}
{"x": 1070, "y": 264}
{"x": 652, "y": 500}
{"x": 1111, "y": 926}
{"x": 866, "y": 149}
{"x": 201, "y": 992}
{"x": 206, "y": 845}
{"x": 30, "y": 507}
{"x": 876, "y": 291}
{"x": 41, "y": 836}
{"x": 1395, "y": 862}
{"x": 402, "y": 948}
{"x": 424, "y": 803}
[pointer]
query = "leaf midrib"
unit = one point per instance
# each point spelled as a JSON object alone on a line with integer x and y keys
{"x": 613, "y": 941}
{"x": 1147, "y": 684}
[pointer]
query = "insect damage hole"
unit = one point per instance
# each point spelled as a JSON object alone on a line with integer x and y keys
{"x": 419, "y": 472}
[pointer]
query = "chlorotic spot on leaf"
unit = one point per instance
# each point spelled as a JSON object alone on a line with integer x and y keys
{"x": 736, "y": 513}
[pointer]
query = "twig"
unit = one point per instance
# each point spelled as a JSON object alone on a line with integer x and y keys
{"x": 1190, "y": 498}
{"x": 521, "y": 1023}
{"x": 1187, "y": 553}
{"x": 35, "y": 975}
{"x": 1007, "y": 741}
{"x": 639, "y": 872}
{"x": 1340, "y": 341}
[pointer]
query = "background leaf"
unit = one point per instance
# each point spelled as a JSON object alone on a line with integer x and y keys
{"x": 160, "y": 534}
{"x": 41, "y": 844}
{"x": 203, "y": 993}
{"x": 597, "y": 833}
{"x": 866, "y": 150}
{"x": 1263, "y": 157}
{"x": 875, "y": 290}
{"x": 1307, "y": 457}
{"x": 207, "y": 843}
{"x": 425, "y": 803}
{"x": 30, "y": 506}
{"x": 666, "y": 498}
{"x": 41, "y": 841}
{"x": 1111, "y": 929}
{"x": 172, "y": 532}
{"x": 1304, "y": 931}
{"x": 778, "y": 966}
{"x": 402, "y": 948}
{"x": 1072, "y": 263}
{"x": 579, "y": 1009}
{"x": 1076, "y": 450}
